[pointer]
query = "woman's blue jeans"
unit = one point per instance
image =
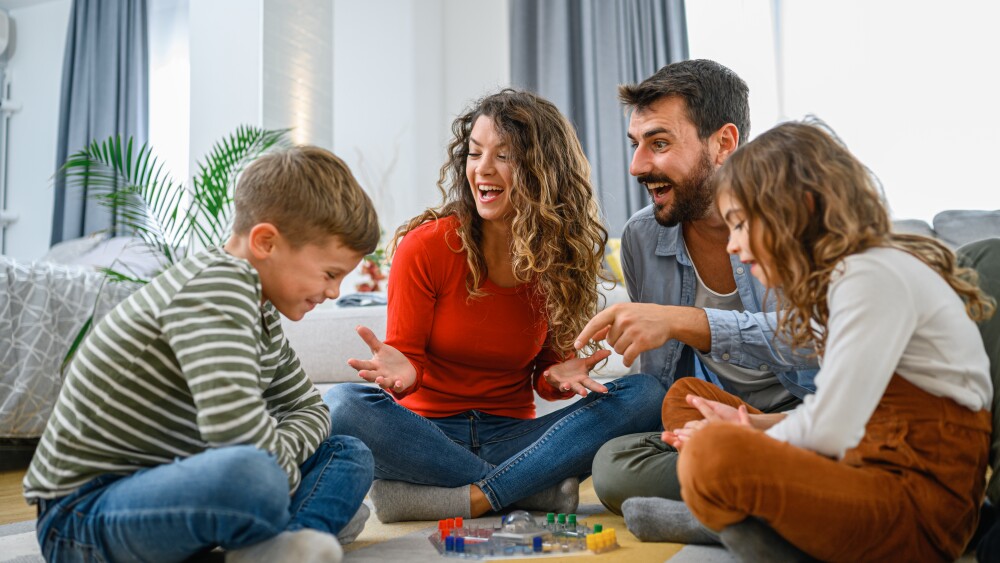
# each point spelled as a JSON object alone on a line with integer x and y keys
{"x": 508, "y": 458}
{"x": 230, "y": 497}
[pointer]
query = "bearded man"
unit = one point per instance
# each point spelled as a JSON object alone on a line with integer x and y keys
{"x": 695, "y": 311}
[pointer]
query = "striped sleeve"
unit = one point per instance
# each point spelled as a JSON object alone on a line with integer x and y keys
{"x": 213, "y": 326}
{"x": 292, "y": 399}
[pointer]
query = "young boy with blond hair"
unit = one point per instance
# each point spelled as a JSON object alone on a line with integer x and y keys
{"x": 185, "y": 421}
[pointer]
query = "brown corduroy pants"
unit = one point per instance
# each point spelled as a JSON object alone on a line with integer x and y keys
{"x": 910, "y": 491}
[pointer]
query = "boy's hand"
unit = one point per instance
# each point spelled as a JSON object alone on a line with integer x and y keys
{"x": 574, "y": 375}
{"x": 388, "y": 368}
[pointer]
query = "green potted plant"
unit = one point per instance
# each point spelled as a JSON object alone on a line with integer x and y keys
{"x": 171, "y": 219}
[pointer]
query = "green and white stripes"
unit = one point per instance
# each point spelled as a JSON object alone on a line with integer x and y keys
{"x": 191, "y": 361}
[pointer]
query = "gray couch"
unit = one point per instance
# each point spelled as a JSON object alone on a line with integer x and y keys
{"x": 955, "y": 227}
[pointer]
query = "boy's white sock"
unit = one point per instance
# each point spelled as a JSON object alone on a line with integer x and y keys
{"x": 300, "y": 546}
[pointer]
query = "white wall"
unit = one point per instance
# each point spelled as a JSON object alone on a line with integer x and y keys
{"x": 170, "y": 85}
{"x": 739, "y": 34}
{"x": 35, "y": 71}
{"x": 403, "y": 69}
{"x": 909, "y": 85}
{"x": 225, "y": 53}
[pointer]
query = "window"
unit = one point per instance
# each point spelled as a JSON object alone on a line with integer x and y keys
{"x": 909, "y": 86}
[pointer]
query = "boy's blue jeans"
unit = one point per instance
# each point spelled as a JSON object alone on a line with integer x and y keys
{"x": 230, "y": 497}
{"x": 507, "y": 458}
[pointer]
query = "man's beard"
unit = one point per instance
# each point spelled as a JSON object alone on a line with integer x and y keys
{"x": 692, "y": 198}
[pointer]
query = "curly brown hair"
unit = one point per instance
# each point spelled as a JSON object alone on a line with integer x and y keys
{"x": 557, "y": 236}
{"x": 815, "y": 204}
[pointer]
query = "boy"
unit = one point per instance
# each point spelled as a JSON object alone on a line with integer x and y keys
{"x": 185, "y": 421}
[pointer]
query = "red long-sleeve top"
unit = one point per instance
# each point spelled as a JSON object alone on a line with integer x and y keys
{"x": 483, "y": 354}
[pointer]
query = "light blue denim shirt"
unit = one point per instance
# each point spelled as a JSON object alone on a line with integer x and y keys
{"x": 658, "y": 270}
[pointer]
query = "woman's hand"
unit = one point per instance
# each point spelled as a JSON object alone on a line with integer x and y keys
{"x": 388, "y": 368}
{"x": 714, "y": 412}
{"x": 574, "y": 375}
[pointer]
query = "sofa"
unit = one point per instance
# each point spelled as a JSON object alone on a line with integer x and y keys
{"x": 955, "y": 227}
{"x": 43, "y": 306}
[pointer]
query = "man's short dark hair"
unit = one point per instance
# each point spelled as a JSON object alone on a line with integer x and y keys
{"x": 714, "y": 95}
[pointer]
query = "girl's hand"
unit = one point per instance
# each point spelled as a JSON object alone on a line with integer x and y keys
{"x": 388, "y": 368}
{"x": 574, "y": 375}
{"x": 714, "y": 413}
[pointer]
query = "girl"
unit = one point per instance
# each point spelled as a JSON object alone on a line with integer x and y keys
{"x": 887, "y": 460}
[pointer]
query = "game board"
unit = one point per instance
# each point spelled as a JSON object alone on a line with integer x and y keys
{"x": 519, "y": 535}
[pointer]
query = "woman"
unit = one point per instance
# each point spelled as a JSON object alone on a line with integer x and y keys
{"x": 486, "y": 295}
{"x": 887, "y": 460}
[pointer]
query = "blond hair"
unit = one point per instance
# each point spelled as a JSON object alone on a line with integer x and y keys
{"x": 557, "y": 235}
{"x": 308, "y": 194}
{"x": 816, "y": 204}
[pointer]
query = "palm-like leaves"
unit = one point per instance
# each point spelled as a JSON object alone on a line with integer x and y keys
{"x": 146, "y": 202}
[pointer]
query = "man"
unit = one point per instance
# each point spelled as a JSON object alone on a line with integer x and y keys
{"x": 696, "y": 310}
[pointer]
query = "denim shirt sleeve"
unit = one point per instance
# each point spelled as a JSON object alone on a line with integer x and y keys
{"x": 747, "y": 338}
{"x": 658, "y": 270}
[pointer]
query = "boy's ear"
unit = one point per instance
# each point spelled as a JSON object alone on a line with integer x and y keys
{"x": 727, "y": 138}
{"x": 262, "y": 239}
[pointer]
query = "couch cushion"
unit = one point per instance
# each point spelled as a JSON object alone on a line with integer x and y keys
{"x": 957, "y": 227}
{"x": 984, "y": 257}
{"x": 325, "y": 338}
{"x": 913, "y": 227}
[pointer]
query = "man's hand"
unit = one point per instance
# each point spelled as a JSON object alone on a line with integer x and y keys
{"x": 574, "y": 375}
{"x": 388, "y": 368}
{"x": 633, "y": 328}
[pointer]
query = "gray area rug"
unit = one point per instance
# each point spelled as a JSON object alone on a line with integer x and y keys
{"x": 703, "y": 554}
{"x": 18, "y": 543}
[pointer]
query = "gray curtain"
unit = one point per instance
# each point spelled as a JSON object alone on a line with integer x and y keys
{"x": 576, "y": 53}
{"x": 104, "y": 93}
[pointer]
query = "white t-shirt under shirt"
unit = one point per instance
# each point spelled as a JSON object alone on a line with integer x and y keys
{"x": 889, "y": 313}
{"x": 759, "y": 388}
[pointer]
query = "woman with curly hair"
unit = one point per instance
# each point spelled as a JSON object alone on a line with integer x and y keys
{"x": 887, "y": 460}
{"x": 486, "y": 295}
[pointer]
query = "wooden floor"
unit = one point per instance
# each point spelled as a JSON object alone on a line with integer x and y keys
{"x": 12, "y": 505}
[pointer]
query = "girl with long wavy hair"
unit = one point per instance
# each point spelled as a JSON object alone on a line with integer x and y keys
{"x": 486, "y": 294}
{"x": 887, "y": 460}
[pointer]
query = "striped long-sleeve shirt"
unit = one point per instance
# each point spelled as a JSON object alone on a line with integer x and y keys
{"x": 191, "y": 361}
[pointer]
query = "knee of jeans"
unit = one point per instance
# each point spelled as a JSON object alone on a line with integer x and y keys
{"x": 262, "y": 483}
{"x": 644, "y": 396}
{"x": 711, "y": 456}
{"x": 639, "y": 388}
{"x": 345, "y": 400}
{"x": 683, "y": 387}
{"x": 355, "y": 450}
